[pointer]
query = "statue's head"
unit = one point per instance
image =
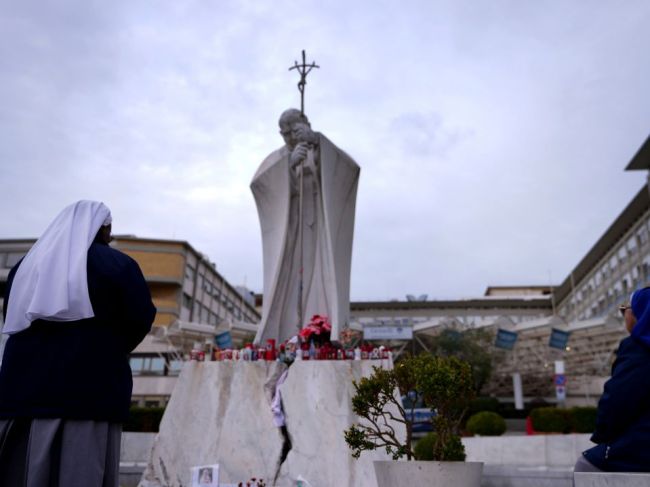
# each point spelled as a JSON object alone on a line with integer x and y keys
{"x": 287, "y": 122}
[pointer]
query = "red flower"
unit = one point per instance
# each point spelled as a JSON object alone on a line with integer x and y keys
{"x": 306, "y": 332}
{"x": 317, "y": 325}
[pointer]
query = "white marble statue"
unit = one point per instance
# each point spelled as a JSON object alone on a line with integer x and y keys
{"x": 320, "y": 214}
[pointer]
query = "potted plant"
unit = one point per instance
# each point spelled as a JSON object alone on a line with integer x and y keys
{"x": 446, "y": 386}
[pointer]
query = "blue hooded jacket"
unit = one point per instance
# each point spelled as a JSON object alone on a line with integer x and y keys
{"x": 623, "y": 419}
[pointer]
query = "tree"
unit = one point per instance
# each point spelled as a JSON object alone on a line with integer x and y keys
{"x": 444, "y": 384}
{"x": 472, "y": 345}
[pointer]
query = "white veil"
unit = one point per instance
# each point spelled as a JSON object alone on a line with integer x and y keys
{"x": 52, "y": 282}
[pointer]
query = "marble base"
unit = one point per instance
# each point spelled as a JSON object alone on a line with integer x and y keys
{"x": 220, "y": 413}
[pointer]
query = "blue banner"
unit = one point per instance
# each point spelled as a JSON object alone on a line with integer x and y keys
{"x": 505, "y": 339}
{"x": 559, "y": 339}
{"x": 223, "y": 340}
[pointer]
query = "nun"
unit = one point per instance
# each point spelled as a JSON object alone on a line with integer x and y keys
{"x": 74, "y": 308}
{"x": 622, "y": 432}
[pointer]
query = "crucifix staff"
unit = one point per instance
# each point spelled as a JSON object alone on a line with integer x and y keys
{"x": 304, "y": 69}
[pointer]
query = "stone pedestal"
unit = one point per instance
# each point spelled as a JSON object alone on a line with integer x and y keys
{"x": 220, "y": 413}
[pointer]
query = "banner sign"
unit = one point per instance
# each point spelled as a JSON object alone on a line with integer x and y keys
{"x": 387, "y": 332}
{"x": 558, "y": 339}
{"x": 505, "y": 339}
{"x": 223, "y": 340}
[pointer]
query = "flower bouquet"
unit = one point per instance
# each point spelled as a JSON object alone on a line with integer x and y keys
{"x": 317, "y": 331}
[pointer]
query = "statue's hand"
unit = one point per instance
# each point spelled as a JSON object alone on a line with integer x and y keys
{"x": 303, "y": 133}
{"x": 298, "y": 154}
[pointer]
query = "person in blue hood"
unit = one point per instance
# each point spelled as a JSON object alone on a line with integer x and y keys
{"x": 622, "y": 434}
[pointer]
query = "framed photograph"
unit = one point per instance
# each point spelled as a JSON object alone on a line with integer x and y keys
{"x": 205, "y": 476}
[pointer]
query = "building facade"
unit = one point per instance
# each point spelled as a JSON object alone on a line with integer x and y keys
{"x": 583, "y": 308}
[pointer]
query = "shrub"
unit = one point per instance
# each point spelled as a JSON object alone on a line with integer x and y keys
{"x": 423, "y": 449}
{"x": 550, "y": 420}
{"x": 583, "y": 419}
{"x": 486, "y": 423}
{"x": 144, "y": 420}
{"x": 444, "y": 384}
{"x": 454, "y": 450}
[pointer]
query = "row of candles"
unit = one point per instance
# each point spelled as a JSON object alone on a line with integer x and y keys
{"x": 290, "y": 352}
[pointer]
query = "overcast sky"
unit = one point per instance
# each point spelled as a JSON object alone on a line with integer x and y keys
{"x": 492, "y": 135}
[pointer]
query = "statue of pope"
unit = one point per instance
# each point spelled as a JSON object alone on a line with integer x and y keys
{"x": 305, "y": 193}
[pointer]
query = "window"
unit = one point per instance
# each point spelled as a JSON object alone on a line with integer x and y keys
{"x": 136, "y": 365}
{"x": 187, "y": 301}
{"x": 207, "y": 286}
{"x": 190, "y": 272}
{"x": 613, "y": 261}
{"x": 157, "y": 365}
{"x": 147, "y": 365}
{"x": 174, "y": 367}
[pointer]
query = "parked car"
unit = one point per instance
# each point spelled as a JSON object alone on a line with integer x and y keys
{"x": 418, "y": 413}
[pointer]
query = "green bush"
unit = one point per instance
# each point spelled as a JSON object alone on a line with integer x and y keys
{"x": 550, "y": 420}
{"x": 143, "y": 420}
{"x": 486, "y": 423}
{"x": 583, "y": 419}
{"x": 423, "y": 449}
{"x": 454, "y": 450}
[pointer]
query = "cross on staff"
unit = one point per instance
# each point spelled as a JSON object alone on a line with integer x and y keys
{"x": 304, "y": 69}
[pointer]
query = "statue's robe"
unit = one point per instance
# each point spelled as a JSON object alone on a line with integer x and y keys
{"x": 329, "y": 198}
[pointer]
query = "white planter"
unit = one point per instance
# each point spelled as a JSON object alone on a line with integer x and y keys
{"x": 433, "y": 474}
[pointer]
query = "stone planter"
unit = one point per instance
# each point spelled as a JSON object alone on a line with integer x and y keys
{"x": 433, "y": 474}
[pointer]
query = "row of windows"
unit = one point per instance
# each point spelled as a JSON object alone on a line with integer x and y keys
{"x": 227, "y": 300}
{"x": 624, "y": 265}
{"x": 155, "y": 365}
{"x": 204, "y": 314}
